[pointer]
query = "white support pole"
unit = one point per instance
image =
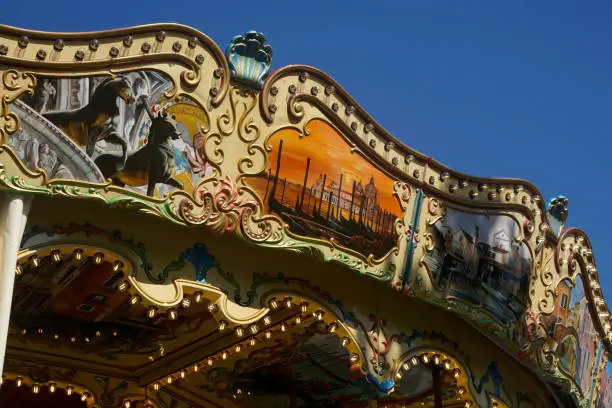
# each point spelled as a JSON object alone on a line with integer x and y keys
{"x": 13, "y": 216}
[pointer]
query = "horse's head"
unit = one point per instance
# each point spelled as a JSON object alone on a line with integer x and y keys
{"x": 123, "y": 88}
{"x": 164, "y": 128}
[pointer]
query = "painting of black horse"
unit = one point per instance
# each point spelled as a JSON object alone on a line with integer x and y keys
{"x": 152, "y": 164}
{"x": 99, "y": 119}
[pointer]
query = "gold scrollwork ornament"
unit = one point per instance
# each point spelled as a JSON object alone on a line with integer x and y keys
{"x": 14, "y": 84}
{"x": 224, "y": 206}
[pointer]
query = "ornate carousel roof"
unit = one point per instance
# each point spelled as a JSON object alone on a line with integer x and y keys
{"x": 197, "y": 231}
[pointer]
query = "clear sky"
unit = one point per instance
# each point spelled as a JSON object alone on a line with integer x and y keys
{"x": 517, "y": 88}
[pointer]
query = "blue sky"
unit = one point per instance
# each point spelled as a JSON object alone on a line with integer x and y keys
{"x": 502, "y": 89}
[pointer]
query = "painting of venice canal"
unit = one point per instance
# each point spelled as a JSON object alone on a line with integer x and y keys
{"x": 323, "y": 190}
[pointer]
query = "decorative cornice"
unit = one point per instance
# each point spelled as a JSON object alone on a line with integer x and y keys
{"x": 119, "y": 50}
{"x": 574, "y": 251}
{"x": 297, "y": 84}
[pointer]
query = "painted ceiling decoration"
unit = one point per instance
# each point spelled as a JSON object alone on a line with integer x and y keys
{"x": 187, "y": 228}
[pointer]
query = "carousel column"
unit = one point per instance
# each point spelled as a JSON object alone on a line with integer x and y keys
{"x": 13, "y": 216}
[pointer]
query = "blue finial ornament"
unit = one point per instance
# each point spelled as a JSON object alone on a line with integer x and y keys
{"x": 249, "y": 58}
{"x": 557, "y": 213}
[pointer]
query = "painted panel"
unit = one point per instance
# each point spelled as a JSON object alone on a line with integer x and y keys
{"x": 127, "y": 128}
{"x": 604, "y": 396}
{"x": 323, "y": 189}
{"x": 479, "y": 260}
{"x": 572, "y": 328}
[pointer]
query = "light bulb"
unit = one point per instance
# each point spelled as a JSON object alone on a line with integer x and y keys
{"x": 35, "y": 260}
{"x": 78, "y": 254}
{"x": 186, "y": 302}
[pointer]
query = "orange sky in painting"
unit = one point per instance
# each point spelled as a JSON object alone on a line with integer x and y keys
{"x": 331, "y": 155}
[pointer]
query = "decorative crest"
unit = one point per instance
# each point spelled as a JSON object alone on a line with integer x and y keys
{"x": 557, "y": 213}
{"x": 249, "y": 58}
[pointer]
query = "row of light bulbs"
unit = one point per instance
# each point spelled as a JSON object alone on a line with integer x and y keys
{"x": 72, "y": 339}
{"x": 51, "y": 387}
{"x": 438, "y": 360}
{"x": 172, "y": 313}
{"x": 253, "y": 330}
{"x": 57, "y": 256}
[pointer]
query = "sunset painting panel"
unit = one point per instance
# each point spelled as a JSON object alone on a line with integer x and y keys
{"x": 323, "y": 190}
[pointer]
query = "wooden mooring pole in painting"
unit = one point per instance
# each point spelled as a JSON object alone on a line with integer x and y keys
{"x": 304, "y": 186}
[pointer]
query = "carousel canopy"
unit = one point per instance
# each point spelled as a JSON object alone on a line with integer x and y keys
{"x": 185, "y": 228}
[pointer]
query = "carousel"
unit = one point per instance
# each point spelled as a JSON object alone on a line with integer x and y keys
{"x": 183, "y": 227}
